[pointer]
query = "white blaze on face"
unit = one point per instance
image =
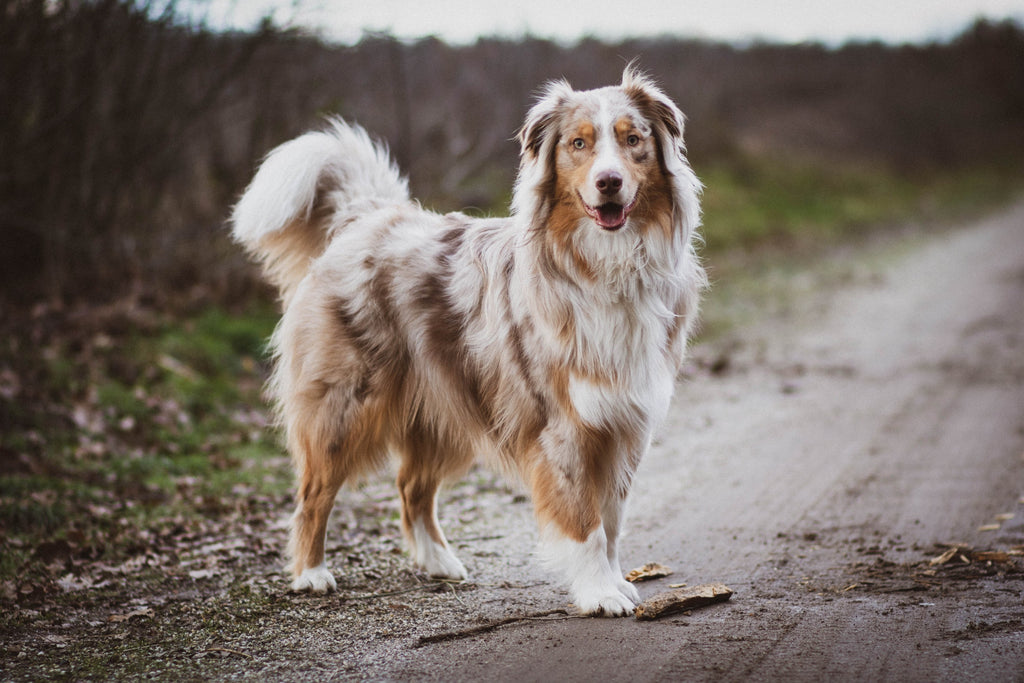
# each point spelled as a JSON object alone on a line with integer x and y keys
{"x": 610, "y": 188}
{"x": 607, "y": 162}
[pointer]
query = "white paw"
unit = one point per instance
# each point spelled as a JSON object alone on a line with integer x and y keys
{"x": 604, "y": 599}
{"x": 440, "y": 562}
{"x": 433, "y": 557}
{"x": 629, "y": 590}
{"x": 315, "y": 580}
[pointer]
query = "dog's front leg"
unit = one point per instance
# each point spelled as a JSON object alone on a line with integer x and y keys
{"x": 595, "y": 587}
{"x": 613, "y": 518}
{"x": 575, "y": 516}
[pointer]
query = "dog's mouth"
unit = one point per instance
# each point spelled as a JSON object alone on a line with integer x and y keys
{"x": 611, "y": 215}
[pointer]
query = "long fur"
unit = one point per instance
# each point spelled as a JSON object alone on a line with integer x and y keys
{"x": 547, "y": 342}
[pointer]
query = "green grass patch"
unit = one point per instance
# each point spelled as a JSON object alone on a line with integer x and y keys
{"x": 765, "y": 221}
{"x": 758, "y": 203}
{"x": 130, "y": 424}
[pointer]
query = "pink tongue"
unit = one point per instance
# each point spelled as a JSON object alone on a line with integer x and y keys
{"x": 611, "y": 215}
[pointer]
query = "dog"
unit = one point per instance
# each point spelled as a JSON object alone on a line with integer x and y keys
{"x": 547, "y": 342}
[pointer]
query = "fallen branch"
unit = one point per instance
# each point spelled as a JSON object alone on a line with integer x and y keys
{"x": 682, "y": 600}
{"x": 491, "y": 626}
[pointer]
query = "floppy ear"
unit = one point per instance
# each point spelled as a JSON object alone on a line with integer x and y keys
{"x": 540, "y": 126}
{"x": 536, "y": 129}
{"x": 538, "y": 139}
{"x": 656, "y": 107}
{"x": 668, "y": 123}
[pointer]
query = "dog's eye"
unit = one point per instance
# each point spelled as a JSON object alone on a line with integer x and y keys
{"x": 579, "y": 143}
{"x": 633, "y": 140}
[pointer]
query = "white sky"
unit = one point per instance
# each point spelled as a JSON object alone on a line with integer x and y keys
{"x": 462, "y": 21}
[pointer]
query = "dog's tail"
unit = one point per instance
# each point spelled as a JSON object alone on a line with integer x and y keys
{"x": 305, "y": 188}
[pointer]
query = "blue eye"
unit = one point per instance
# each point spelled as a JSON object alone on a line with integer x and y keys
{"x": 579, "y": 143}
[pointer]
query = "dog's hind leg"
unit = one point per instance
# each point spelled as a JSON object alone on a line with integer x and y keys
{"x": 317, "y": 490}
{"x": 424, "y": 468}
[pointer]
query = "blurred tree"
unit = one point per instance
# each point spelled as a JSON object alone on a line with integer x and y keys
{"x": 98, "y": 98}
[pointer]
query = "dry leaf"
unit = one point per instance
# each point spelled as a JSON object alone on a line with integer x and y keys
{"x": 944, "y": 557}
{"x": 651, "y": 570}
{"x": 967, "y": 555}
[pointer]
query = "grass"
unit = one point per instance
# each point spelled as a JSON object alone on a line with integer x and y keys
{"x": 103, "y": 430}
{"x": 765, "y": 219}
{"x": 784, "y": 205}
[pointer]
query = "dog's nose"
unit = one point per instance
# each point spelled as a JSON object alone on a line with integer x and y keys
{"x": 609, "y": 182}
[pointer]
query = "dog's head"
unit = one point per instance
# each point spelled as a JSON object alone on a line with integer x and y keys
{"x": 610, "y": 160}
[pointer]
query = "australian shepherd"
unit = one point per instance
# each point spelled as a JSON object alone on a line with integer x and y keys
{"x": 547, "y": 342}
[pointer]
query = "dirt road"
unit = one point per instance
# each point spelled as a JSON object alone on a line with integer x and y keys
{"x": 815, "y": 476}
{"x": 866, "y": 414}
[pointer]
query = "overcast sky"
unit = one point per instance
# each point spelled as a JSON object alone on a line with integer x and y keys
{"x": 462, "y": 21}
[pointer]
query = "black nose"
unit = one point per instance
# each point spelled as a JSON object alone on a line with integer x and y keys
{"x": 609, "y": 182}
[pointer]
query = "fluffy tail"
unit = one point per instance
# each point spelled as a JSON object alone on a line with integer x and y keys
{"x": 303, "y": 189}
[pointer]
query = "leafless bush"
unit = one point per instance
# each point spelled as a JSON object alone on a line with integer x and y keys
{"x": 100, "y": 99}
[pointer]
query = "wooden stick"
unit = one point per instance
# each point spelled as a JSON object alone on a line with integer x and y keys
{"x": 486, "y": 628}
{"x": 681, "y": 600}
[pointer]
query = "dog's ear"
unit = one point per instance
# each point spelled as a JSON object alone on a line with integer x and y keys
{"x": 538, "y": 139}
{"x": 668, "y": 122}
{"x": 536, "y": 129}
{"x": 657, "y": 108}
{"x": 542, "y": 120}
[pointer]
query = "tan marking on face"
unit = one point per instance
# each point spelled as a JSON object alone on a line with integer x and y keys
{"x": 654, "y": 203}
{"x": 572, "y": 167}
{"x": 586, "y": 132}
{"x": 653, "y": 208}
{"x": 640, "y": 164}
{"x": 623, "y": 129}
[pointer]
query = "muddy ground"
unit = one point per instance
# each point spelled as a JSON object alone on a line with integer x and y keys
{"x": 848, "y": 457}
